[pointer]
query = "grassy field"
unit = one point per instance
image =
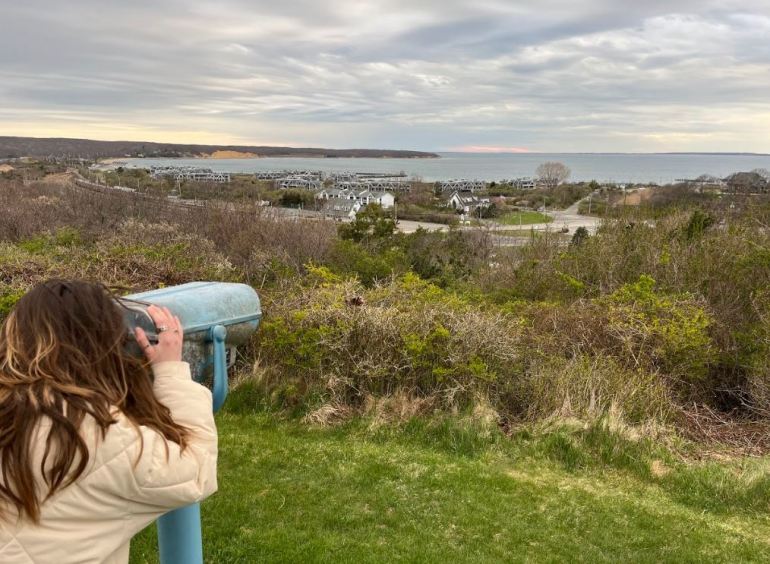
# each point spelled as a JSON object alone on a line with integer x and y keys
{"x": 524, "y": 218}
{"x": 437, "y": 492}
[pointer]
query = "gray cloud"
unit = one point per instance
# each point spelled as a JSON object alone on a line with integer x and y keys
{"x": 674, "y": 75}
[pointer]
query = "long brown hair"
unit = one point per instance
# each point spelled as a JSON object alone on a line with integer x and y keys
{"x": 62, "y": 357}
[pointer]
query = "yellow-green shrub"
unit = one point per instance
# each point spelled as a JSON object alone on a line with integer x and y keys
{"x": 669, "y": 332}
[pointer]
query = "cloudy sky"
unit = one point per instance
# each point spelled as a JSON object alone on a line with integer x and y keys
{"x": 485, "y": 75}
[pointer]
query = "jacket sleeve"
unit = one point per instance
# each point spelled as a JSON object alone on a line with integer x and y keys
{"x": 165, "y": 477}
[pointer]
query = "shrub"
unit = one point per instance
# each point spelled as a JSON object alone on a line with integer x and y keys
{"x": 757, "y": 393}
{"x": 446, "y": 258}
{"x": 371, "y": 225}
{"x": 580, "y": 235}
{"x": 8, "y": 298}
{"x": 696, "y": 227}
{"x": 137, "y": 256}
{"x": 412, "y": 338}
{"x": 262, "y": 245}
{"x": 397, "y": 340}
{"x": 350, "y": 258}
{"x": 672, "y": 331}
{"x": 47, "y": 242}
{"x": 640, "y": 330}
{"x": 296, "y": 198}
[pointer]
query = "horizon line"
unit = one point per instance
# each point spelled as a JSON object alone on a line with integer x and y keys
{"x": 473, "y": 149}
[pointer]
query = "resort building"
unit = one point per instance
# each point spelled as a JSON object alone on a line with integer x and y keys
{"x": 186, "y": 173}
{"x": 299, "y": 182}
{"x": 364, "y": 197}
{"x": 461, "y": 185}
{"x": 524, "y": 183}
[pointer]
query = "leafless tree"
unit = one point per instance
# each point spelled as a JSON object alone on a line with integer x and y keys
{"x": 763, "y": 172}
{"x": 552, "y": 173}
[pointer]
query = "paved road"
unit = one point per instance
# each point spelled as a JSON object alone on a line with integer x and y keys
{"x": 572, "y": 221}
{"x": 569, "y": 218}
{"x": 407, "y": 226}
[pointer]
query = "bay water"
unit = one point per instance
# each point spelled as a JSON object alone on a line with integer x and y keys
{"x": 660, "y": 168}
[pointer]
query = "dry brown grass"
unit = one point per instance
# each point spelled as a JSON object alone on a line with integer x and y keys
{"x": 396, "y": 409}
{"x": 585, "y": 387}
{"x": 261, "y": 244}
{"x": 328, "y": 415}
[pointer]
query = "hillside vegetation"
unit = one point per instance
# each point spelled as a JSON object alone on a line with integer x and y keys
{"x": 648, "y": 319}
{"x": 592, "y": 401}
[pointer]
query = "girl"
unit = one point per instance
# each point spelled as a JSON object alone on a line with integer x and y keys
{"x": 94, "y": 447}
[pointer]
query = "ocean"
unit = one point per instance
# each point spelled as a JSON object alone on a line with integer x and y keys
{"x": 661, "y": 168}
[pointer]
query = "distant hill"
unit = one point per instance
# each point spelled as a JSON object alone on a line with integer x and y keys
{"x": 13, "y": 147}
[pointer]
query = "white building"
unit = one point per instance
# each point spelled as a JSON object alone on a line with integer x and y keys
{"x": 341, "y": 208}
{"x": 466, "y": 203}
{"x": 385, "y": 199}
{"x": 364, "y": 197}
{"x": 328, "y": 193}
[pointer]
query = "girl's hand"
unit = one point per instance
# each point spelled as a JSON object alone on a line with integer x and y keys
{"x": 170, "y": 336}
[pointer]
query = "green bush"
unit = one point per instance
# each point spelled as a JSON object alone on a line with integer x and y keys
{"x": 636, "y": 351}
{"x": 136, "y": 256}
{"x": 8, "y": 298}
{"x": 372, "y": 224}
{"x": 350, "y": 258}
{"x": 297, "y": 198}
{"x": 47, "y": 243}
{"x": 408, "y": 336}
{"x": 672, "y": 331}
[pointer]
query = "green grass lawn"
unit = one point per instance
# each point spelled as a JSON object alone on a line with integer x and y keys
{"x": 427, "y": 493}
{"x": 524, "y": 218}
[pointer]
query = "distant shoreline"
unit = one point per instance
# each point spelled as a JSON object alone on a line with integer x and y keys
{"x": 229, "y": 154}
{"x": 15, "y": 147}
{"x": 111, "y": 160}
{"x": 226, "y": 155}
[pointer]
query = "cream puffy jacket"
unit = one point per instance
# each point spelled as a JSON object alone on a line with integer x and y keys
{"x": 125, "y": 487}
